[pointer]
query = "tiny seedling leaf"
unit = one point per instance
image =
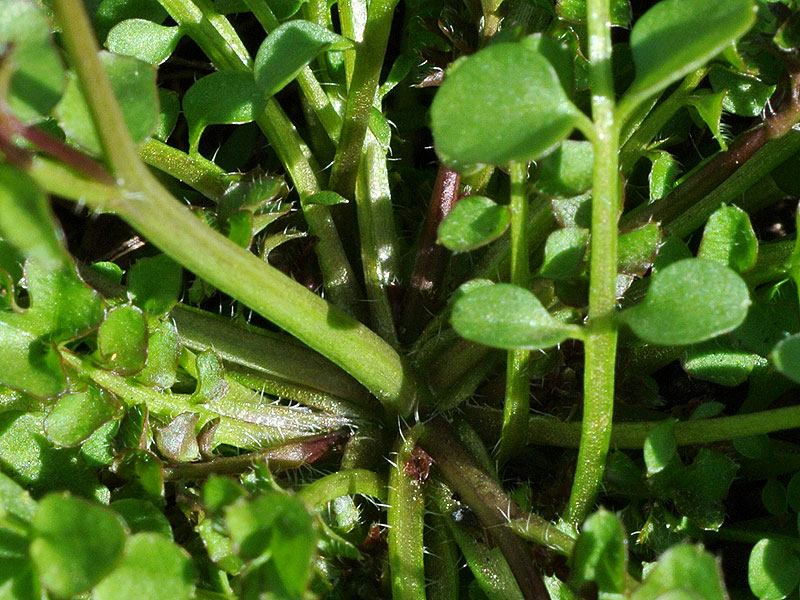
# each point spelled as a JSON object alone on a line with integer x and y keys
{"x": 122, "y": 340}
{"x": 729, "y": 239}
{"x": 78, "y": 415}
{"x": 155, "y": 283}
{"x": 134, "y": 85}
{"x": 675, "y": 37}
{"x": 567, "y": 171}
{"x": 773, "y": 570}
{"x": 37, "y": 80}
{"x": 564, "y": 252}
{"x": 223, "y": 97}
{"x": 288, "y": 49}
{"x": 75, "y": 543}
{"x": 508, "y": 316}
{"x": 600, "y": 554}
{"x": 474, "y": 222}
{"x": 152, "y": 567}
{"x": 145, "y": 40}
{"x": 689, "y": 301}
{"x": 504, "y": 103}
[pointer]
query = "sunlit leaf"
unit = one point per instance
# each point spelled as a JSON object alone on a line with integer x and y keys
{"x": 508, "y": 316}
{"x": 288, "y": 49}
{"x": 122, "y": 339}
{"x": 773, "y": 570}
{"x": 684, "y": 569}
{"x": 145, "y": 40}
{"x": 567, "y": 171}
{"x": 505, "y": 103}
{"x": 660, "y": 448}
{"x": 744, "y": 94}
{"x": 663, "y": 173}
{"x": 600, "y": 553}
{"x": 675, "y": 37}
{"x": 474, "y": 222}
{"x": 729, "y": 239}
{"x": 155, "y": 283}
{"x": 689, "y": 301}
{"x": 564, "y": 252}
{"x": 78, "y": 415}
{"x": 638, "y": 249}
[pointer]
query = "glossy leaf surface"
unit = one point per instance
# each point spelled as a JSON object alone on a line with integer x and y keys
{"x": 505, "y": 103}
{"x": 145, "y": 40}
{"x": 689, "y": 301}
{"x": 507, "y": 316}
{"x": 675, "y": 37}
{"x": 474, "y": 222}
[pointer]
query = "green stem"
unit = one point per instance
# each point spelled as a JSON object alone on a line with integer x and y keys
{"x": 543, "y": 532}
{"x": 517, "y": 400}
{"x": 549, "y": 431}
{"x": 601, "y": 341}
{"x": 406, "y": 520}
{"x": 361, "y": 96}
{"x": 149, "y": 208}
{"x": 648, "y": 130}
{"x": 378, "y": 237}
{"x": 193, "y": 170}
{"x": 204, "y": 27}
{"x": 353, "y": 19}
{"x": 343, "y": 483}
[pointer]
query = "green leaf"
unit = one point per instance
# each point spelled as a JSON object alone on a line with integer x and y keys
{"x": 504, "y": 103}
{"x": 509, "y": 317}
{"x": 600, "y": 553}
{"x": 223, "y": 97}
{"x": 729, "y": 239}
{"x": 660, "y": 448}
{"x": 142, "y": 516}
{"x": 134, "y": 85}
{"x": 288, "y": 49}
{"x": 687, "y": 569}
{"x": 575, "y": 10}
{"x": 709, "y": 108}
{"x": 219, "y": 492}
{"x": 284, "y": 9}
{"x": 638, "y": 249}
{"x": 122, "y": 340}
{"x": 279, "y": 526}
{"x": 111, "y": 12}
{"x": 672, "y": 250}
{"x": 564, "y": 252}
{"x": 324, "y": 198}
{"x": 567, "y": 171}
{"x": 474, "y": 222}
{"x": 145, "y": 40}
{"x": 155, "y": 283}
{"x": 169, "y": 108}
{"x": 792, "y": 492}
{"x": 773, "y": 570}
{"x": 689, "y": 301}
{"x": 720, "y": 362}
{"x": 15, "y": 500}
{"x": 786, "y": 357}
{"x": 152, "y": 567}
{"x": 700, "y": 488}
{"x": 773, "y": 497}
{"x": 211, "y": 384}
{"x": 37, "y": 81}
{"x": 744, "y": 94}
{"x": 663, "y": 173}
{"x": 675, "y": 37}
{"x": 78, "y": 415}
{"x": 75, "y": 544}
{"x": 163, "y": 352}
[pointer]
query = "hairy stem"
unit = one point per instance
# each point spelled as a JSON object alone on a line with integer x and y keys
{"x": 601, "y": 341}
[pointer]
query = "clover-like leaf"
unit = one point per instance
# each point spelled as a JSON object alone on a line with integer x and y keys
{"x": 567, "y": 171}
{"x": 600, "y": 553}
{"x": 729, "y": 239}
{"x": 78, "y": 415}
{"x": 474, "y": 222}
{"x": 564, "y": 252}
{"x": 689, "y": 301}
{"x": 224, "y": 97}
{"x": 145, "y": 40}
{"x": 773, "y": 570}
{"x": 288, "y": 49}
{"x": 509, "y": 317}
{"x": 152, "y": 567}
{"x": 122, "y": 339}
{"x": 675, "y": 37}
{"x": 504, "y": 103}
{"x": 134, "y": 85}
{"x": 38, "y": 78}
{"x": 155, "y": 283}
{"x": 76, "y": 543}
